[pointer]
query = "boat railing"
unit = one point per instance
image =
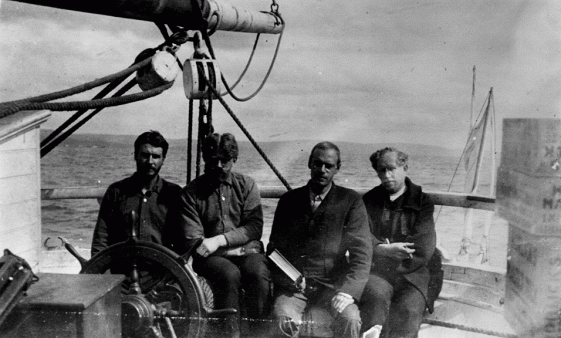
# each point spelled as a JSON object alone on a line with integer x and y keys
{"x": 451, "y": 199}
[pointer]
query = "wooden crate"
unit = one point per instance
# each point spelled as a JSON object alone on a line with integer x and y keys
{"x": 530, "y": 202}
{"x": 532, "y": 146}
{"x": 524, "y": 320}
{"x": 65, "y": 305}
{"x": 533, "y": 284}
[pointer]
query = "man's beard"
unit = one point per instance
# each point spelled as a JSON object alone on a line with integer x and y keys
{"x": 148, "y": 171}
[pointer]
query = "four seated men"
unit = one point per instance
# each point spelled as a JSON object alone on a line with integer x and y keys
{"x": 370, "y": 253}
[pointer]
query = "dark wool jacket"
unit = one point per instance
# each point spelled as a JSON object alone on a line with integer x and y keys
{"x": 157, "y": 213}
{"x": 316, "y": 242}
{"x": 416, "y": 225}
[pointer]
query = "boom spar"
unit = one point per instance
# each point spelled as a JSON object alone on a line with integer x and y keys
{"x": 218, "y": 14}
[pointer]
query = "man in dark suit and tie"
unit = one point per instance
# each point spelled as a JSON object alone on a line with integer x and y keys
{"x": 315, "y": 226}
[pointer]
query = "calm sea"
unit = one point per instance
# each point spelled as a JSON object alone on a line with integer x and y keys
{"x": 91, "y": 162}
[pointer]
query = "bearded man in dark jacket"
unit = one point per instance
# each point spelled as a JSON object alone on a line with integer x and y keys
{"x": 404, "y": 240}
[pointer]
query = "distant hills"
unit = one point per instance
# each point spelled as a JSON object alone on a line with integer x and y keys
{"x": 104, "y": 140}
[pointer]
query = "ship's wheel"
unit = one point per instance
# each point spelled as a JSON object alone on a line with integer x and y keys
{"x": 161, "y": 296}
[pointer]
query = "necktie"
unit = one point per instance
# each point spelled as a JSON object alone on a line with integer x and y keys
{"x": 316, "y": 202}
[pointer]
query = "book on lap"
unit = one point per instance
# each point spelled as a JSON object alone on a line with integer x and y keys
{"x": 282, "y": 263}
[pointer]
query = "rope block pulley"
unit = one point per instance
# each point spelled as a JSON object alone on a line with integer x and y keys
{"x": 196, "y": 72}
{"x": 162, "y": 69}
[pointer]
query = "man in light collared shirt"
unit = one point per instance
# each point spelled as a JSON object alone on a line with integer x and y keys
{"x": 314, "y": 235}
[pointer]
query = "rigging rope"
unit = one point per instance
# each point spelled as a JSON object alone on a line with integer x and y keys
{"x": 206, "y": 37}
{"x": 79, "y": 113}
{"x": 246, "y": 132}
{"x": 47, "y": 148}
{"x": 246, "y": 65}
{"x": 228, "y": 89}
{"x": 189, "y": 140}
{"x": 468, "y": 328}
{"x": 74, "y": 105}
{"x": 11, "y": 107}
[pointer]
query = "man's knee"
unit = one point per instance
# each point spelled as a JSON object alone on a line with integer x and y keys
{"x": 350, "y": 314}
{"x": 255, "y": 266}
{"x": 289, "y": 305}
{"x": 285, "y": 327}
{"x": 347, "y": 323}
{"x": 287, "y": 316}
{"x": 377, "y": 289}
{"x": 220, "y": 271}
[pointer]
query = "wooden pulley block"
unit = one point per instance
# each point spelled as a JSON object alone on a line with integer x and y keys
{"x": 161, "y": 70}
{"x": 196, "y": 72}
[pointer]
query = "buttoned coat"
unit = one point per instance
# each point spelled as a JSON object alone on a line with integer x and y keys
{"x": 316, "y": 242}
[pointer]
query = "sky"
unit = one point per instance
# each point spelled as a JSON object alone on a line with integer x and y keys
{"x": 369, "y": 71}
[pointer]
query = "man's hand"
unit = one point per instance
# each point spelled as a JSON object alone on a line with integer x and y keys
{"x": 399, "y": 250}
{"x": 340, "y": 301}
{"x": 210, "y": 245}
{"x": 301, "y": 284}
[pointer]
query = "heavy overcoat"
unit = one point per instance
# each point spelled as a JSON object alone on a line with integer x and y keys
{"x": 415, "y": 225}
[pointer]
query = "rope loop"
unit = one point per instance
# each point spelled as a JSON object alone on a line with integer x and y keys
{"x": 266, "y": 77}
{"x": 179, "y": 37}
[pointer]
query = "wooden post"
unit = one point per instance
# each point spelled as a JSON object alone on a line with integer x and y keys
{"x": 20, "y": 177}
{"x": 529, "y": 198}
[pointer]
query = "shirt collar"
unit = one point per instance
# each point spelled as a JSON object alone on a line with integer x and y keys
{"x": 155, "y": 186}
{"x": 396, "y": 195}
{"x": 322, "y": 195}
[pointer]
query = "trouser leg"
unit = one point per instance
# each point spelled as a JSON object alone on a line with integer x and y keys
{"x": 225, "y": 278}
{"x": 406, "y": 311}
{"x": 346, "y": 324}
{"x": 255, "y": 280}
{"x": 375, "y": 302}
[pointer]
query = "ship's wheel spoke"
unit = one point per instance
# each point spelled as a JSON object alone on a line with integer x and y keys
{"x": 161, "y": 295}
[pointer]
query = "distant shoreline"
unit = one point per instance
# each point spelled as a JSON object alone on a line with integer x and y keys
{"x": 305, "y": 145}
